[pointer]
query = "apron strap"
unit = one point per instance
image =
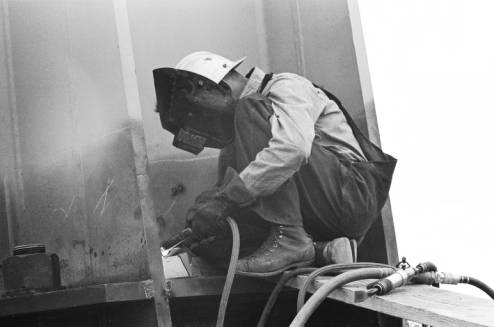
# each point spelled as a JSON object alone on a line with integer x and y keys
{"x": 265, "y": 81}
{"x": 371, "y": 151}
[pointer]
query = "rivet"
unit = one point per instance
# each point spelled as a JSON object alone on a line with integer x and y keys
{"x": 177, "y": 189}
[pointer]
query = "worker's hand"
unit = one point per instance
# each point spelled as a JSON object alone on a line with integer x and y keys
{"x": 207, "y": 216}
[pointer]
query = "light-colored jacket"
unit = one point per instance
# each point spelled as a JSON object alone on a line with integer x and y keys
{"x": 303, "y": 114}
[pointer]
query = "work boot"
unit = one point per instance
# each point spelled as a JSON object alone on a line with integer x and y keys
{"x": 339, "y": 250}
{"x": 286, "y": 247}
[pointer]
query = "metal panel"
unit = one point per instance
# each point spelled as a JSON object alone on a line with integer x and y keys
{"x": 175, "y": 183}
{"x": 78, "y": 161}
{"x": 7, "y": 148}
{"x": 134, "y": 313}
{"x": 314, "y": 38}
{"x": 77, "y": 297}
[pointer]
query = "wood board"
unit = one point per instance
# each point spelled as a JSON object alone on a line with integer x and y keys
{"x": 421, "y": 303}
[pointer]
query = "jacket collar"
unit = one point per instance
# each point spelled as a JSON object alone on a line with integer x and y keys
{"x": 255, "y": 77}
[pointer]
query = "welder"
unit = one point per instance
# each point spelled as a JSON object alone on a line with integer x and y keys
{"x": 294, "y": 171}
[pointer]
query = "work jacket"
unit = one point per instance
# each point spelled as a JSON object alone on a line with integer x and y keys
{"x": 303, "y": 114}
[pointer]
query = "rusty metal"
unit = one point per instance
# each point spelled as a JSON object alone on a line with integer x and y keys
{"x": 77, "y": 297}
{"x": 30, "y": 269}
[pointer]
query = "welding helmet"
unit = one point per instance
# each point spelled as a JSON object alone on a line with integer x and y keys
{"x": 198, "y": 111}
{"x": 193, "y": 102}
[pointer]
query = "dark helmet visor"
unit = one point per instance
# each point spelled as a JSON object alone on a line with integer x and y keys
{"x": 196, "y": 110}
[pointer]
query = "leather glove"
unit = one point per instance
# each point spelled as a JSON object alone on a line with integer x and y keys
{"x": 207, "y": 216}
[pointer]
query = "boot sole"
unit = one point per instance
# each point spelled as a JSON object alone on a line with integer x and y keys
{"x": 275, "y": 272}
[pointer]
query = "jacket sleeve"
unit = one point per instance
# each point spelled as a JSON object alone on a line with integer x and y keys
{"x": 292, "y": 129}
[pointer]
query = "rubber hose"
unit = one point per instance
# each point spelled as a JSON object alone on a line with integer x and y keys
{"x": 335, "y": 268}
{"x": 321, "y": 294}
{"x": 277, "y": 290}
{"x": 479, "y": 284}
{"x": 231, "y": 272}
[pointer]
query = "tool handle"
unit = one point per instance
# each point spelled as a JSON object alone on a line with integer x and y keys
{"x": 185, "y": 233}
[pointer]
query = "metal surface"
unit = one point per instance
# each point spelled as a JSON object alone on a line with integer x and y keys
{"x": 38, "y": 271}
{"x": 79, "y": 185}
{"x": 84, "y": 188}
{"x": 213, "y": 285}
{"x": 77, "y": 297}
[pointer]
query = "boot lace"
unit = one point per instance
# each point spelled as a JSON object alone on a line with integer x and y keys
{"x": 271, "y": 243}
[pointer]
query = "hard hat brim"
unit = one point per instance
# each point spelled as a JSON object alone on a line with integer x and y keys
{"x": 238, "y": 62}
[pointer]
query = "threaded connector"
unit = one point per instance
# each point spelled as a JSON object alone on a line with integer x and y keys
{"x": 434, "y": 277}
{"x": 397, "y": 279}
{"x": 426, "y": 267}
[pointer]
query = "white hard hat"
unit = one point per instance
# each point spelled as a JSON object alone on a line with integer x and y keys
{"x": 209, "y": 65}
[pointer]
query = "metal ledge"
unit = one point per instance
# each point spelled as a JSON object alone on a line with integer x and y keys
{"x": 213, "y": 286}
{"x": 131, "y": 291}
{"x": 77, "y": 297}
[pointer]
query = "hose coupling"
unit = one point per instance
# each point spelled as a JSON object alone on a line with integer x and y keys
{"x": 434, "y": 277}
{"x": 397, "y": 279}
{"x": 400, "y": 278}
{"x": 426, "y": 267}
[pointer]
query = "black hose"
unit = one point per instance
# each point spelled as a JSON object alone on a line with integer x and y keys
{"x": 335, "y": 268}
{"x": 277, "y": 290}
{"x": 321, "y": 294}
{"x": 231, "y": 272}
{"x": 479, "y": 284}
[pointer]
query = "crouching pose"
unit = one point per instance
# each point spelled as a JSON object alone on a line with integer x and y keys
{"x": 294, "y": 170}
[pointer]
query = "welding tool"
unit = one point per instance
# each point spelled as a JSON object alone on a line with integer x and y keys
{"x": 170, "y": 246}
{"x": 182, "y": 236}
{"x": 187, "y": 238}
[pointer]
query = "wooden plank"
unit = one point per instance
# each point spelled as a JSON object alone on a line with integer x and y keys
{"x": 77, "y": 297}
{"x": 420, "y": 303}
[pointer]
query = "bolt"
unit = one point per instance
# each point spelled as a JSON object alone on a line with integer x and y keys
{"x": 177, "y": 189}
